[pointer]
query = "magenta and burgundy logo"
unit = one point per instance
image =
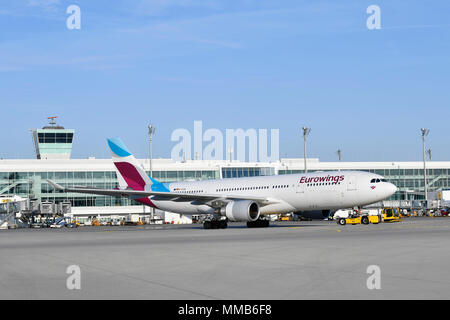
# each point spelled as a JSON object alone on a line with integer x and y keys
{"x": 322, "y": 179}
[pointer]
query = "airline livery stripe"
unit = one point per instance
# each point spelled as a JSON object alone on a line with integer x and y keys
{"x": 131, "y": 175}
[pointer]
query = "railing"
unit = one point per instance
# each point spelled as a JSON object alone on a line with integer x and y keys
{"x": 6, "y": 218}
{"x": 17, "y": 182}
{"x": 430, "y": 183}
{"x": 405, "y": 204}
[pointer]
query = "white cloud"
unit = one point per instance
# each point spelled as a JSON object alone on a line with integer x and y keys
{"x": 43, "y": 3}
{"x": 46, "y": 5}
{"x": 157, "y": 6}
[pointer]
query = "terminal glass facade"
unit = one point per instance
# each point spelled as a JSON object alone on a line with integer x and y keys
{"x": 407, "y": 180}
{"x": 247, "y": 172}
{"x": 34, "y": 184}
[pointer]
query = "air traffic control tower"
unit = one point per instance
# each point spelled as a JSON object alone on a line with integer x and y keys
{"x": 53, "y": 141}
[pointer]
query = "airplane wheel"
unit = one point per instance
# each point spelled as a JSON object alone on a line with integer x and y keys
{"x": 207, "y": 225}
{"x": 223, "y": 224}
{"x": 258, "y": 224}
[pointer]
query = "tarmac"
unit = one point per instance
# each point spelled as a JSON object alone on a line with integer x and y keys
{"x": 289, "y": 260}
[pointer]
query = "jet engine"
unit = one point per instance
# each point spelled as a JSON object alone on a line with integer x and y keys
{"x": 241, "y": 210}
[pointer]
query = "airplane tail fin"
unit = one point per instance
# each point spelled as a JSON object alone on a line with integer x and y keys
{"x": 129, "y": 172}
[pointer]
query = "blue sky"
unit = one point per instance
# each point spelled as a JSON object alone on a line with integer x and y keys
{"x": 232, "y": 64}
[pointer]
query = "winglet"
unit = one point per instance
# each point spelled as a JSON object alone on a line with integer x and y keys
{"x": 55, "y": 185}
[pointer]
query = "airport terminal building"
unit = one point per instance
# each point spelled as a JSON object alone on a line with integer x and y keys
{"x": 27, "y": 178}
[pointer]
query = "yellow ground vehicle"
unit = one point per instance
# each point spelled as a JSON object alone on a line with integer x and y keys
{"x": 391, "y": 215}
{"x": 355, "y": 220}
{"x": 374, "y": 219}
{"x": 284, "y": 217}
{"x": 359, "y": 219}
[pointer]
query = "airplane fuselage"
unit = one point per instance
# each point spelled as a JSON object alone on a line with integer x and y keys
{"x": 241, "y": 199}
{"x": 290, "y": 193}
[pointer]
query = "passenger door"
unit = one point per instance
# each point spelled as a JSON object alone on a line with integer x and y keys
{"x": 351, "y": 184}
{"x": 300, "y": 188}
{"x": 299, "y": 200}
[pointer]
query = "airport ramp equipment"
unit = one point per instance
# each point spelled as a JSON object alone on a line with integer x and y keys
{"x": 9, "y": 207}
{"x": 5, "y": 219}
{"x": 60, "y": 221}
{"x": 8, "y": 211}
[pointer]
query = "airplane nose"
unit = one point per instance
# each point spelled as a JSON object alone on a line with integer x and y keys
{"x": 392, "y": 188}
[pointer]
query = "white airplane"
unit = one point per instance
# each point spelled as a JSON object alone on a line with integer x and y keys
{"x": 242, "y": 199}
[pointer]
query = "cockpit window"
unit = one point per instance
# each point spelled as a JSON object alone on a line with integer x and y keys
{"x": 378, "y": 180}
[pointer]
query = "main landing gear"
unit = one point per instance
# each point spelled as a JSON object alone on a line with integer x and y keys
{"x": 260, "y": 223}
{"x": 215, "y": 224}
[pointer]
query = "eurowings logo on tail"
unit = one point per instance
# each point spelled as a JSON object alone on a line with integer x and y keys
{"x": 129, "y": 171}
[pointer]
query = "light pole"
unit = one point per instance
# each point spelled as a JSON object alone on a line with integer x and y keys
{"x": 430, "y": 154}
{"x": 230, "y": 152}
{"x": 151, "y": 133}
{"x": 398, "y": 178}
{"x": 425, "y": 133}
{"x": 306, "y": 132}
{"x": 339, "y": 154}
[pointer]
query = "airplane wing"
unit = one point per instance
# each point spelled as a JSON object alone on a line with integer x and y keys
{"x": 208, "y": 199}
